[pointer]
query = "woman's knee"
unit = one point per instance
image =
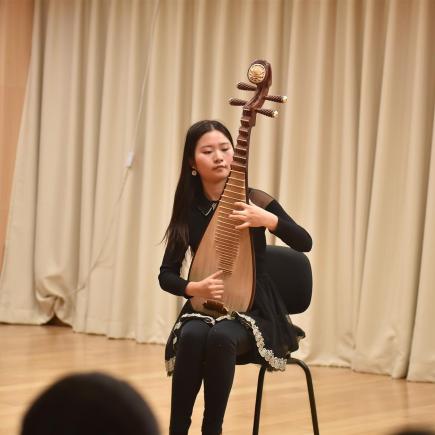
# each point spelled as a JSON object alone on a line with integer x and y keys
{"x": 219, "y": 338}
{"x": 230, "y": 336}
{"x": 193, "y": 335}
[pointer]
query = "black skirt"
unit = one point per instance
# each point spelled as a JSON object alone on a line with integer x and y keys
{"x": 274, "y": 334}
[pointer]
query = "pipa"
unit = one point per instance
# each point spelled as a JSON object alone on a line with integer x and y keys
{"x": 223, "y": 247}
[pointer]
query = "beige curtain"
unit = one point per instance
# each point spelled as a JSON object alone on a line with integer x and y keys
{"x": 350, "y": 157}
{"x": 15, "y": 42}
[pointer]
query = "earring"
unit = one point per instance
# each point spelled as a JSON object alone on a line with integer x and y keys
{"x": 194, "y": 172}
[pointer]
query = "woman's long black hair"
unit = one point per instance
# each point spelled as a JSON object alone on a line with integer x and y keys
{"x": 177, "y": 233}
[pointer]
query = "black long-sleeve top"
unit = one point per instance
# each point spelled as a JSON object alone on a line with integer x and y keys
{"x": 200, "y": 214}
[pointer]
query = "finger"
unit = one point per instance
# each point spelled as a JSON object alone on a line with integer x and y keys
{"x": 217, "y": 273}
{"x": 241, "y": 205}
{"x": 242, "y": 210}
{"x": 243, "y": 226}
{"x": 238, "y": 216}
{"x": 216, "y": 287}
{"x": 215, "y": 295}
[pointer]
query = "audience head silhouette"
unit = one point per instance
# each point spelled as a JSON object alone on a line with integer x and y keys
{"x": 89, "y": 403}
{"x": 414, "y": 431}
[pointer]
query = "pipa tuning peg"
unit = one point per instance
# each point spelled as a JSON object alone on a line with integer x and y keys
{"x": 276, "y": 98}
{"x": 246, "y": 87}
{"x": 236, "y": 102}
{"x": 268, "y": 112}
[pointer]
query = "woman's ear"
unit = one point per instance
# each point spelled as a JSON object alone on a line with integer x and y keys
{"x": 192, "y": 164}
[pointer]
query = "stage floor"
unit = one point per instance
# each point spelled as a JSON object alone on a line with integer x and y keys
{"x": 348, "y": 403}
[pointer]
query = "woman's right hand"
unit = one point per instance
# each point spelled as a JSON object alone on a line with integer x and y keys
{"x": 211, "y": 287}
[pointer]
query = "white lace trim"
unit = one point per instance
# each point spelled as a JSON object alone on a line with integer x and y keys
{"x": 170, "y": 364}
{"x": 266, "y": 354}
{"x": 207, "y": 319}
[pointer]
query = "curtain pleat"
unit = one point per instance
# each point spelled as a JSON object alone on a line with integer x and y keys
{"x": 350, "y": 157}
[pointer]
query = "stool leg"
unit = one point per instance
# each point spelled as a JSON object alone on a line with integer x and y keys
{"x": 258, "y": 400}
{"x": 309, "y": 379}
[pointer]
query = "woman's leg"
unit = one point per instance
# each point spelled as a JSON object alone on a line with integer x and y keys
{"x": 226, "y": 340}
{"x": 188, "y": 374}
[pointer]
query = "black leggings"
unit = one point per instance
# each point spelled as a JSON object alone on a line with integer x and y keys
{"x": 209, "y": 353}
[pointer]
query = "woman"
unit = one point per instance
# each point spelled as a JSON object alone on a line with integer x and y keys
{"x": 200, "y": 348}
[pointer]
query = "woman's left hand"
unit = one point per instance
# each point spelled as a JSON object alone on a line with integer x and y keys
{"x": 253, "y": 216}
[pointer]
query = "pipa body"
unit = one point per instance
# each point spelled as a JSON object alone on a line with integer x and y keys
{"x": 223, "y": 247}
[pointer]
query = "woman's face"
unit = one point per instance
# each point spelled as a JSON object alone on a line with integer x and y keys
{"x": 213, "y": 156}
